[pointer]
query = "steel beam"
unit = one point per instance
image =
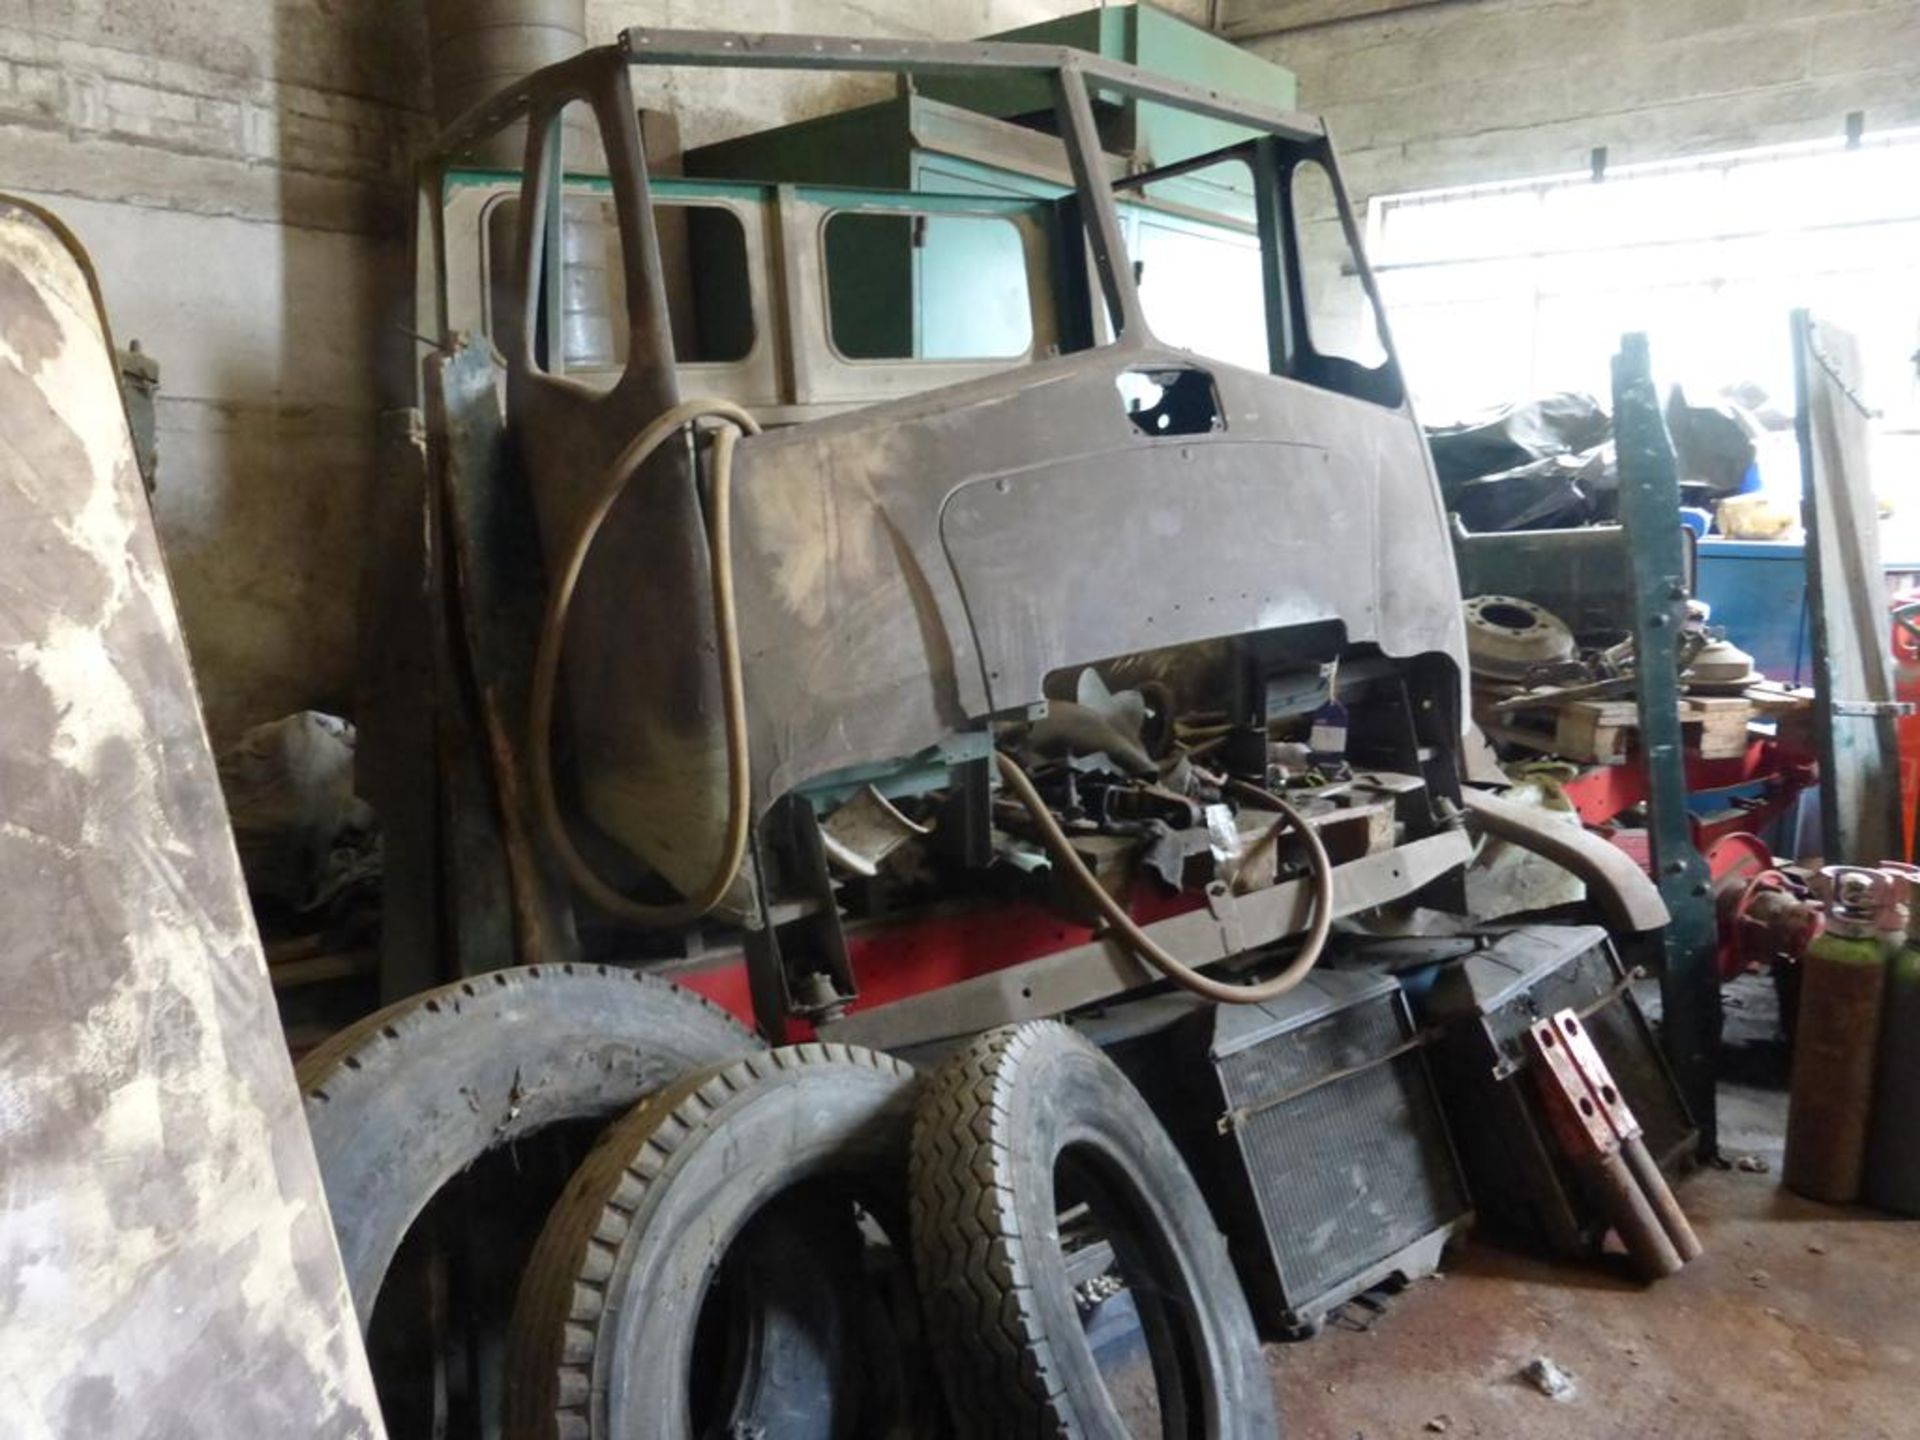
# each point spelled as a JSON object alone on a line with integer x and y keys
{"x": 1657, "y": 556}
{"x": 1104, "y": 969}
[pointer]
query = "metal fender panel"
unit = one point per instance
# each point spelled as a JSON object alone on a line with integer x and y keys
{"x": 167, "y": 1266}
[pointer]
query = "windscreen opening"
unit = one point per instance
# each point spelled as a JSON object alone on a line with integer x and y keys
{"x": 922, "y": 286}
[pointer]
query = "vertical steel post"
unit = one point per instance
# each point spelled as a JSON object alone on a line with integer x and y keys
{"x": 1274, "y": 210}
{"x": 1074, "y": 109}
{"x": 1650, "y": 511}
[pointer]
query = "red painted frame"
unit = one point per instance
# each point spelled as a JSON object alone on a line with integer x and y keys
{"x": 899, "y": 959}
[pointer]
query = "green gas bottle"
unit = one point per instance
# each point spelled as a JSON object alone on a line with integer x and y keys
{"x": 1837, "y": 1038}
{"x": 1892, "y": 1178}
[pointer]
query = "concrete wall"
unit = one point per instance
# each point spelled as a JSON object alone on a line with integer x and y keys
{"x": 1477, "y": 90}
{"x": 235, "y": 169}
{"x": 238, "y": 169}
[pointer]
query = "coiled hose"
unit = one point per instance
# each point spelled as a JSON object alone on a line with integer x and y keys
{"x": 546, "y": 667}
{"x": 1141, "y": 944}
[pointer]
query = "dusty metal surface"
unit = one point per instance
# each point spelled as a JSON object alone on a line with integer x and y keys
{"x": 1621, "y": 889}
{"x": 911, "y": 568}
{"x": 167, "y": 1267}
{"x": 494, "y": 564}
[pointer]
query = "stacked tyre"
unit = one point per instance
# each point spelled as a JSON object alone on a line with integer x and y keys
{"x": 809, "y": 1243}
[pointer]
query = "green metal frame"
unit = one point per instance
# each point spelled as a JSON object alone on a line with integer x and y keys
{"x": 1649, "y": 503}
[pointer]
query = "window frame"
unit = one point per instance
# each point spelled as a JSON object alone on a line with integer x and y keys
{"x": 1020, "y": 215}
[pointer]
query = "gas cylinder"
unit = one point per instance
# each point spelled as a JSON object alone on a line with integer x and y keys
{"x": 1842, "y": 987}
{"x": 1892, "y": 1179}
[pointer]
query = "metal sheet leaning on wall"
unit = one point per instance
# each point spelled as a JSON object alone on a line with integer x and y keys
{"x": 167, "y": 1266}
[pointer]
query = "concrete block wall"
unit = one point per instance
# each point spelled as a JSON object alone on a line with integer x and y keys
{"x": 239, "y": 171}
{"x": 1480, "y": 90}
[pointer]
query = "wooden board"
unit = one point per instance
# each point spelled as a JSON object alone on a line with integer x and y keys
{"x": 1604, "y": 732}
{"x": 1852, "y": 644}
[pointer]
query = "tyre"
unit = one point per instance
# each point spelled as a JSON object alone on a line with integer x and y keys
{"x": 1074, "y": 1281}
{"x": 708, "y": 1271}
{"x": 413, "y": 1095}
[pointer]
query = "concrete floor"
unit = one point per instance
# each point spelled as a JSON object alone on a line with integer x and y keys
{"x": 1800, "y": 1322}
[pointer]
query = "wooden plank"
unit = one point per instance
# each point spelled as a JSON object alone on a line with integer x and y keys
{"x": 1723, "y": 723}
{"x": 1605, "y": 732}
{"x": 323, "y": 969}
{"x": 1595, "y": 730}
{"x": 1859, "y": 755}
{"x": 395, "y": 759}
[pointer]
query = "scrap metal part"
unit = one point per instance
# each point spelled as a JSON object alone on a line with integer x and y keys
{"x": 167, "y": 1265}
{"x": 1510, "y": 638}
{"x": 1597, "y": 1132}
{"x": 1626, "y": 897}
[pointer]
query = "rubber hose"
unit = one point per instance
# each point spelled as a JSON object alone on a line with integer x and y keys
{"x": 546, "y": 667}
{"x": 1141, "y": 944}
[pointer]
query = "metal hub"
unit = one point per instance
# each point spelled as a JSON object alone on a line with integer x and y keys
{"x": 1509, "y": 638}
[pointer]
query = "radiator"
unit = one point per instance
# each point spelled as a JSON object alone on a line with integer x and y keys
{"x": 1317, "y": 1133}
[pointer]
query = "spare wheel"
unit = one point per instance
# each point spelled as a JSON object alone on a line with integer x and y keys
{"x": 411, "y": 1096}
{"x": 1074, "y": 1280}
{"x": 708, "y": 1271}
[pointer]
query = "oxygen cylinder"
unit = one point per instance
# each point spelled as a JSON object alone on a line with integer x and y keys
{"x": 1892, "y": 1179}
{"x": 1836, "y": 1040}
